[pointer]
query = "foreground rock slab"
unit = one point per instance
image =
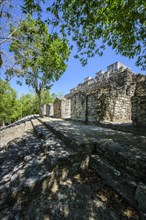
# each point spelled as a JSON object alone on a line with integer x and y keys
{"x": 118, "y": 157}
{"x": 45, "y": 175}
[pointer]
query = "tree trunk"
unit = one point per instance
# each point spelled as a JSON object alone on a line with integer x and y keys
{"x": 39, "y": 104}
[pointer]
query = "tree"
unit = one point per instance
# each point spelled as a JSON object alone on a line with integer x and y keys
{"x": 29, "y": 102}
{"x": 119, "y": 23}
{"x": 10, "y": 13}
{"x": 94, "y": 24}
{"x": 9, "y": 105}
{"x": 47, "y": 97}
{"x": 29, "y": 105}
{"x": 41, "y": 56}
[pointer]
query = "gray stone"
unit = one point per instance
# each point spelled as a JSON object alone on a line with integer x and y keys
{"x": 52, "y": 179}
{"x": 140, "y": 196}
{"x": 62, "y": 108}
{"x": 139, "y": 110}
{"x": 107, "y": 97}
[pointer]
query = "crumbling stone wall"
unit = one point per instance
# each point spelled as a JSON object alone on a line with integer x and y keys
{"x": 107, "y": 97}
{"x": 139, "y": 102}
{"x": 57, "y": 108}
{"x": 78, "y": 107}
{"x": 62, "y": 108}
{"x": 48, "y": 110}
{"x": 94, "y": 107}
{"x": 139, "y": 110}
{"x": 66, "y": 108}
{"x": 115, "y": 108}
{"x": 140, "y": 85}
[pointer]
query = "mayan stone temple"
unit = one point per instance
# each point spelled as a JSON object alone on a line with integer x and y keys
{"x": 116, "y": 95}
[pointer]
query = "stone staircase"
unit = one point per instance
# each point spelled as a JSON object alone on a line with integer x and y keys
{"x": 118, "y": 157}
{"x": 50, "y": 170}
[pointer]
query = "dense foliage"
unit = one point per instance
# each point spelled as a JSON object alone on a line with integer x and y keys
{"x": 46, "y": 97}
{"x": 13, "y": 108}
{"x": 9, "y": 105}
{"x": 41, "y": 56}
{"x": 29, "y": 105}
{"x": 94, "y": 24}
{"x": 119, "y": 23}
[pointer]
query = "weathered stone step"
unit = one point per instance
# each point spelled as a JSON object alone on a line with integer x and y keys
{"x": 127, "y": 127}
{"x": 42, "y": 178}
{"x": 81, "y": 196}
{"x": 59, "y": 152}
{"x": 73, "y": 141}
{"x": 58, "y": 149}
{"x": 17, "y": 166}
{"x": 127, "y": 185}
{"x": 119, "y": 158}
{"x": 128, "y": 150}
{"x": 9, "y": 133}
{"x": 33, "y": 166}
{"x": 81, "y": 134}
{"x": 124, "y": 156}
{"x": 115, "y": 177}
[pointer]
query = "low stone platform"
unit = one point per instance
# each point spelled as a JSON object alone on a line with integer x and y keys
{"x": 33, "y": 164}
{"x": 125, "y": 126}
{"x": 50, "y": 171}
{"x": 118, "y": 157}
{"x": 81, "y": 134}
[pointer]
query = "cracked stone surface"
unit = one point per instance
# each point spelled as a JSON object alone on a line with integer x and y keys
{"x": 43, "y": 177}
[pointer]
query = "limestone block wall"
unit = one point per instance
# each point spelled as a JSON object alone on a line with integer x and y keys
{"x": 116, "y": 108}
{"x": 106, "y": 98}
{"x": 140, "y": 85}
{"x": 43, "y": 108}
{"x": 78, "y": 106}
{"x": 94, "y": 108}
{"x": 48, "y": 110}
{"x": 57, "y": 108}
{"x": 65, "y": 108}
{"x": 100, "y": 107}
{"x": 62, "y": 108}
{"x": 139, "y": 102}
{"x": 116, "y": 66}
{"x": 139, "y": 110}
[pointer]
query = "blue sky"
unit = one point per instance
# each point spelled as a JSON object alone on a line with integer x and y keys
{"x": 76, "y": 73}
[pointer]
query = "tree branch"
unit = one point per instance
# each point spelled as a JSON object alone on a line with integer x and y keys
{"x": 8, "y": 37}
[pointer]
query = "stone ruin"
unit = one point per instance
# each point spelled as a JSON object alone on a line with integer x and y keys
{"x": 139, "y": 102}
{"x": 116, "y": 95}
{"x": 48, "y": 110}
{"x": 62, "y": 108}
